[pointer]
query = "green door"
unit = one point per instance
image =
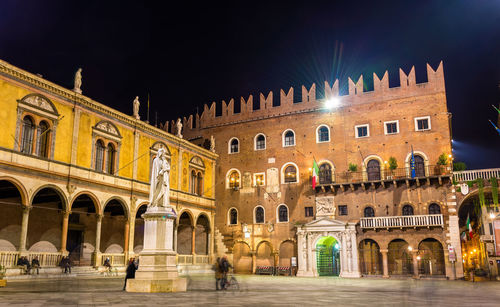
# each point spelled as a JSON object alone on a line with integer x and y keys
{"x": 327, "y": 257}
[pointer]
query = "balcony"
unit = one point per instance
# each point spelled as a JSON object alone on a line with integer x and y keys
{"x": 476, "y": 174}
{"x": 428, "y": 220}
{"x": 386, "y": 176}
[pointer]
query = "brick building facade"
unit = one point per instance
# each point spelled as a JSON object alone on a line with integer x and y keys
{"x": 367, "y": 215}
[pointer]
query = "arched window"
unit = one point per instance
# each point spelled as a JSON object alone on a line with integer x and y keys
{"x": 110, "y": 159}
{"x": 260, "y": 142}
{"x": 234, "y": 179}
{"x": 192, "y": 182}
{"x": 27, "y": 135}
{"x": 434, "y": 209}
{"x": 234, "y": 146}
{"x": 290, "y": 174}
{"x": 259, "y": 215}
{"x": 407, "y": 210}
{"x": 289, "y": 138}
{"x": 233, "y": 216}
{"x": 99, "y": 156}
{"x": 282, "y": 214}
{"x": 43, "y": 135}
{"x": 199, "y": 184}
{"x": 323, "y": 134}
{"x": 369, "y": 212}
{"x": 419, "y": 166}
{"x": 373, "y": 170}
{"x": 325, "y": 173}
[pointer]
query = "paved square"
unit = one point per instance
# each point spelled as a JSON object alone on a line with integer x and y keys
{"x": 256, "y": 291}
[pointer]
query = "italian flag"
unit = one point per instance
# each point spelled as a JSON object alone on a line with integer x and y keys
{"x": 315, "y": 179}
{"x": 469, "y": 227}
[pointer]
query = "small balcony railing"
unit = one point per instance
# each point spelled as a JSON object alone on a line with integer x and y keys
{"x": 387, "y": 222}
{"x": 476, "y": 174}
{"x": 388, "y": 174}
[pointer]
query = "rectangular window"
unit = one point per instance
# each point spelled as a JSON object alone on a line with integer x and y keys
{"x": 423, "y": 123}
{"x": 258, "y": 179}
{"x": 342, "y": 209}
{"x": 309, "y": 211}
{"x": 391, "y": 127}
{"x": 362, "y": 131}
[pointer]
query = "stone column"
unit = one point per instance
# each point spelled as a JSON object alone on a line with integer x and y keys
{"x": 343, "y": 255}
{"x": 97, "y": 251}
{"x": 126, "y": 235}
{"x": 64, "y": 231}
{"x": 300, "y": 253}
{"x": 175, "y": 239}
{"x": 131, "y": 237}
{"x": 276, "y": 258}
{"x": 193, "y": 241}
{"x": 355, "y": 258}
{"x": 24, "y": 228}
{"x": 309, "y": 254}
{"x": 254, "y": 261}
{"x": 415, "y": 265}
{"x": 385, "y": 264}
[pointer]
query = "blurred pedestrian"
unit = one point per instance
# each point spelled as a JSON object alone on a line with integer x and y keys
{"x": 225, "y": 265}
{"x": 218, "y": 275}
{"x": 131, "y": 268}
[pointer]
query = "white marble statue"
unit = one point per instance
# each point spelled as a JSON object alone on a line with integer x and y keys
{"x": 212, "y": 143}
{"x": 136, "y": 107}
{"x": 179, "y": 128}
{"x": 159, "y": 193}
{"x": 78, "y": 81}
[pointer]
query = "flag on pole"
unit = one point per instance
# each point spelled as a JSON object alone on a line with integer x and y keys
{"x": 147, "y": 119}
{"x": 496, "y": 128}
{"x": 463, "y": 236}
{"x": 468, "y": 226}
{"x": 412, "y": 164}
{"x": 315, "y": 178}
{"x": 496, "y": 109}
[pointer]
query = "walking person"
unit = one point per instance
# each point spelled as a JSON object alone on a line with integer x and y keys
{"x": 131, "y": 268}
{"x": 107, "y": 265}
{"x": 67, "y": 265}
{"x": 225, "y": 265}
{"x": 218, "y": 275}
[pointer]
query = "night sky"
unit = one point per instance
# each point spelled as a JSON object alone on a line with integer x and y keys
{"x": 190, "y": 54}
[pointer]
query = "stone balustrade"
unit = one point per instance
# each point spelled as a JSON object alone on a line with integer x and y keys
{"x": 387, "y": 222}
{"x": 9, "y": 259}
{"x": 116, "y": 259}
{"x": 476, "y": 174}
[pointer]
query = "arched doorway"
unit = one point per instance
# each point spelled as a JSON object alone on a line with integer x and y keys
{"x": 419, "y": 166}
{"x": 114, "y": 231}
{"x": 370, "y": 259}
{"x": 202, "y": 232}
{"x": 399, "y": 258}
{"x": 328, "y": 256}
{"x": 265, "y": 254}
{"x": 373, "y": 170}
{"x": 431, "y": 257}
{"x": 287, "y": 251}
{"x": 81, "y": 236}
{"x": 139, "y": 229}
{"x": 242, "y": 258}
{"x": 185, "y": 235}
{"x": 12, "y": 212}
{"x": 45, "y": 220}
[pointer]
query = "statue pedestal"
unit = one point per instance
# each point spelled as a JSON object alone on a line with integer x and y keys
{"x": 157, "y": 262}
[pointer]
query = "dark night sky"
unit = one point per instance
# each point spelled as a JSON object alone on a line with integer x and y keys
{"x": 189, "y": 55}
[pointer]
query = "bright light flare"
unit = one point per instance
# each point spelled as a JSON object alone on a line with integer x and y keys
{"x": 332, "y": 102}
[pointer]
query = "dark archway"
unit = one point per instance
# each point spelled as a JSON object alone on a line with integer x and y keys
{"x": 114, "y": 231}
{"x": 399, "y": 258}
{"x": 185, "y": 234}
{"x": 431, "y": 255}
{"x": 202, "y": 233}
{"x": 82, "y": 223}
{"x": 139, "y": 229}
{"x": 373, "y": 170}
{"x": 370, "y": 259}
{"x": 12, "y": 212}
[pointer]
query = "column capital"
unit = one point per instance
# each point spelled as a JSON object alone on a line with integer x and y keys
{"x": 66, "y": 213}
{"x": 384, "y": 250}
{"x": 27, "y": 209}
{"x": 99, "y": 217}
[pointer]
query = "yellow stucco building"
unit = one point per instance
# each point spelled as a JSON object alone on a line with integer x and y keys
{"x": 74, "y": 178}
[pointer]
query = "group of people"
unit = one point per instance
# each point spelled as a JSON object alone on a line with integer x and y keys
{"x": 66, "y": 264}
{"x": 27, "y": 266}
{"x": 222, "y": 266}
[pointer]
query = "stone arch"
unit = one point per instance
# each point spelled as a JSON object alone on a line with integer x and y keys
{"x": 242, "y": 257}
{"x": 190, "y": 214}
{"x": 185, "y": 228}
{"x": 294, "y": 138}
{"x": 332, "y": 166}
{"x": 255, "y": 141}
{"x": 437, "y": 202}
{"x": 417, "y": 153}
{"x": 329, "y": 133}
{"x": 202, "y": 234}
{"x": 399, "y": 257}
{"x": 283, "y": 168}
{"x": 432, "y": 260}
{"x": 92, "y": 196}
{"x": 11, "y": 209}
{"x": 363, "y": 208}
{"x": 56, "y": 189}
{"x": 122, "y": 202}
{"x": 370, "y": 258}
{"x": 114, "y": 231}
{"x": 20, "y": 188}
{"x": 144, "y": 203}
{"x": 229, "y": 145}
{"x": 287, "y": 250}
{"x": 365, "y": 165}
{"x": 264, "y": 253}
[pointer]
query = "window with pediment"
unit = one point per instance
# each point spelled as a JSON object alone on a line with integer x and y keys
{"x": 106, "y": 143}
{"x": 197, "y": 171}
{"x": 36, "y": 126}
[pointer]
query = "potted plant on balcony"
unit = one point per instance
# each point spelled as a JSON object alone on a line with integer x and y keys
{"x": 3, "y": 282}
{"x": 393, "y": 164}
{"x": 352, "y": 169}
{"x": 442, "y": 163}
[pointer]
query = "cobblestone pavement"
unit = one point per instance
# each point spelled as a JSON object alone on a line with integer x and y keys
{"x": 256, "y": 290}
